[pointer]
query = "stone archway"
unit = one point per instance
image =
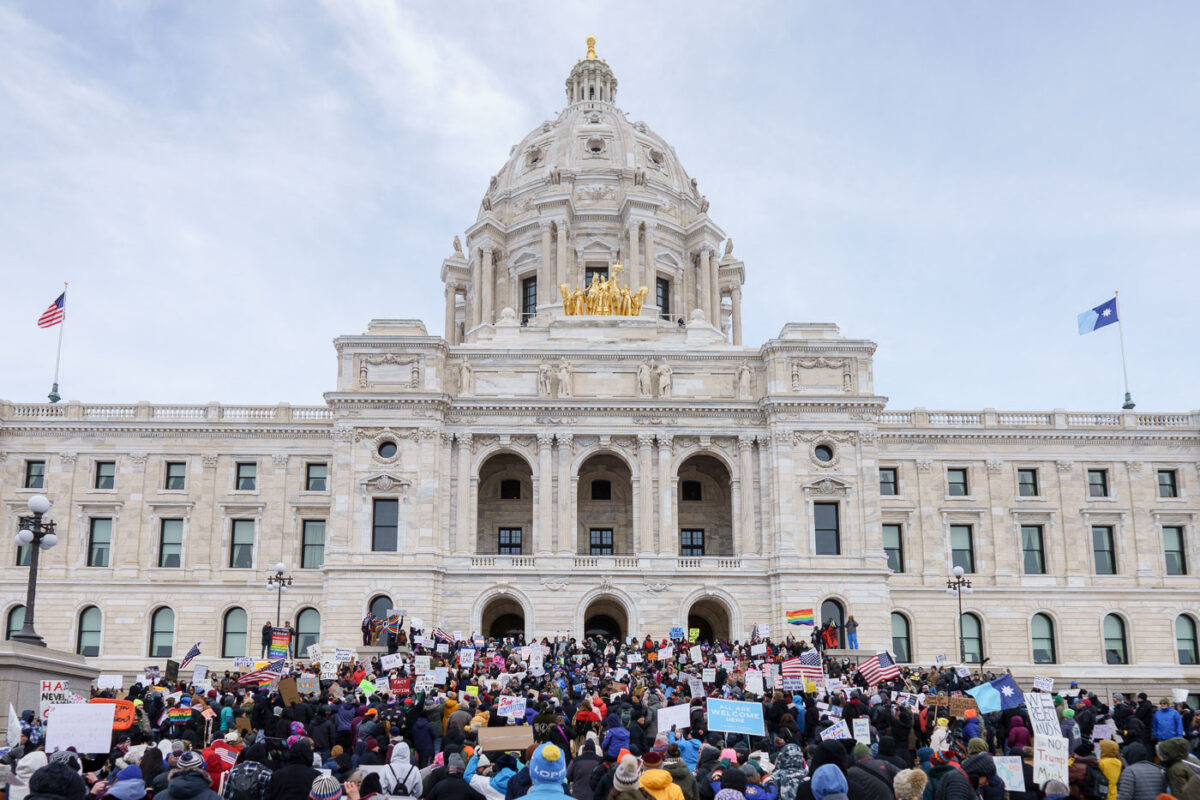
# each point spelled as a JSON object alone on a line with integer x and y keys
{"x": 711, "y": 616}
{"x": 503, "y": 616}
{"x": 505, "y": 505}
{"x": 705, "y": 504}
{"x": 604, "y": 506}
{"x": 605, "y": 616}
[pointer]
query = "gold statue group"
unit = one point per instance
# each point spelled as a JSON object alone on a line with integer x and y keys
{"x": 604, "y": 297}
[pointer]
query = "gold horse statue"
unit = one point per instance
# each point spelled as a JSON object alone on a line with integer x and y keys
{"x": 603, "y": 297}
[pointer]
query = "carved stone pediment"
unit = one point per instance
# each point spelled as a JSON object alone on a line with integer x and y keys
{"x": 827, "y": 487}
{"x": 384, "y": 483}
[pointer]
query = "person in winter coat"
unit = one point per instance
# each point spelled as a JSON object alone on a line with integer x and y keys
{"x": 57, "y": 781}
{"x": 190, "y": 781}
{"x": 1141, "y": 779}
{"x": 829, "y": 753}
{"x": 981, "y": 771}
{"x": 1070, "y": 729}
{"x": 423, "y": 740}
{"x": 1166, "y": 723}
{"x": 454, "y": 786}
{"x": 490, "y": 780}
{"x": 1018, "y": 734}
{"x": 828, "y": 783}
{"x": 869, "y": 778}
{"x": 580, "y": 771}
{"x": 522, "y": 782}
{"x": 401, "y": 777}
{"x": 433, "y": 712}
{"x": 616, "y": 738}
{"x": 947, "y": 779}
{"x": 547, "y": 771}
{"x": 674, "y": 765}
{"x": 940, "y": 740}
{"x": 1111, "y": 765}
{"x": 1085, "y": 756}
{"x": 789, "y": 771}
{"x": 294, "y": 779}
{"x": 689, "y": 747}
{"x": 27, "y": 766}
{"x": 251, "y": 768}
{"x": 706, "y": 762}
{"x": 625, "y": 780}
{"x": 887, "y": 752}
{"x": 657, "y": 781}
{"x": 128, "y": 785}
{"x": 1172, "y": 754}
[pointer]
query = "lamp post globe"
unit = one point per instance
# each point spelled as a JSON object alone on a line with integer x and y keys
{"x": 958, "y": 571}
{"x": 38, "y": 504}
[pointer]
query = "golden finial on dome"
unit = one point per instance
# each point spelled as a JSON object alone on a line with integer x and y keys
{"x": 591, "y": 44}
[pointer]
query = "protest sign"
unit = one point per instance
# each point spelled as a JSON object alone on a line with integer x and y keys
{"x": 124, "y": 713}
{"x": 421, "y": 664}
{"x": 366, "y": 687}
{"x": 1049, "y": 759}
{"x": 676, "y": 633}
{"x": 514, "y": 737}
{"x": 287, "y": 690}
{"x": 758, "y": 649}
{"x": 709, "y": 675}
{"x": 635, "y": 658}
{"x": 458, "y": 637}
{"x": 329, "y": 670}
{"x": 110, "y": 681}
{"x": 473, "y": 691}
{"x": 764, "y": 629}
{"x": 941, "y": 659}
{"x": 1042, "y": 715}
{"x": 171, "y": 673}
{"x": 87, "y": 727}
{"x": 280, "y": 638}
{"x": 1104, "y": 730}
{"x": 1009, "y": 769}
{"x": 509, "y": 706}
{"x": 423, "y": 683}
{"x": 838, "y": 730}
{"x": 440, "y": 675}
{"x": 314, "y": 652}
{"x": 693, "y": 634}
{"x": 1179, "y": 695}
{"x": 696, "y": 653}
{"x": 307, "y": 683}
{"x": 862, "y": 730}
{"x": 402, "y": 685}
{"x": 908, "y": 700}
{"x": 754, "y": 681}
{"x": 443, "y": 647}
{"x": 962, "y": 671}
{"x": 343, "y": 655}
{"x": 54, "y": 691}
{"x": 677, "y": 717}
{"x": 1043, "y": 683}
{"x": 391, "y": 661}
{"x": 696, "y": 687}
{"x": 792, "y": 684}
{"x": 466, "y": 657}
{"x": 243, "y": 661}
{"x": 731, "y": 716}
{"x": 665, "y": 652}
{"x": 199, "y": 672}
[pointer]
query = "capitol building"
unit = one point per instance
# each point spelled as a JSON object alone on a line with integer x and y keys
{"x": 585, "y": 444}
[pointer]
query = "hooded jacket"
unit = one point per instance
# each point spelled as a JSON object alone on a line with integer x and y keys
{"x": 1167, "y": 724}
{"x": 683, "y": 778}
{"x": 57, "y": 782}
{"x": 194, "y": 784}
{"x": 658, "y": 782}
{"x": 981, "y": 766}
{"x": 1172, "y": 753}
{"x": 127, "y": 789}
{"x": 579, "y": 773}
{"x": 294, "y": 779}
{"x": 1140, "y": 779}
{"x": 616, "y": 738}
{"x": 401, "y": 772}
{"x": 1111, "y": 766}
{"x": 18, "y": 785}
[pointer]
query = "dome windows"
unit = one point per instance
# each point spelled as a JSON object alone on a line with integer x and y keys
{"x": 657, "y": 157}
{"x": 534, "y": 158}
{"x": 595, "y": 146}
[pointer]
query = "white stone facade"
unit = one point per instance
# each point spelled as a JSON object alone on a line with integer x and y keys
{"x": 608, "y": 424}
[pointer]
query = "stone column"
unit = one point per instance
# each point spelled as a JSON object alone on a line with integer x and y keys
{"x": 689, "y": 289}
{"x": 451, "y": 295}
{"x": 476, "y": 294}
{"x": 633, "y": 273}
{"x": 463, "y": 529}
{"x": 650, "y": 274}
{"x": 736, "y": 295}
{"x": 645, "y": 500}
{"x": 667, "y": 535}
{"x": 543, "y": 525}
{"x": 714, "y": 288}
{"x": 566, "y": 528}
{"x": 445, "y": 471}
{"x": 787, "y": 516}
{"x": 489, "y": 286}
{"x": 561, "y": 260}
{"x": 547, "y": 288}
{"x": 746, "y": 537}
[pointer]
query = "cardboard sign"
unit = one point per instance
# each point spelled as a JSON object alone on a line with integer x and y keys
{"x": 243, "y": 724}
{"x": 287, "y": 690}
{"x": 329, "y": 671}
{"x": 956, "y": 705}
{"x": 110, "y": 681}
{"x": 87, "y": 727}
{"x": 124, "y": 712}
{"x": 509, "y": 737}
{"x": 862, "y": 730}
{"x": 1104, "y": 730}
{"x": 1044, "y": 684}
{"x": 54, "y": 692}
{"x": 731, "y": 716}
{"x": 343, "y": 655}
{"x": 509, "y": 706}
{"x": 678, "y": 716}
{"x": 1050, "y": 759}
{"x": 1010, "y": 770}
{"x": 1042, "y": 715}
{"x": 838, "y": 730}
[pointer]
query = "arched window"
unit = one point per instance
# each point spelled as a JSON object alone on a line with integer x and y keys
{"x": 379, "y": 606}
{"x": 1042, "y": 628}
{"x": 1114, "y": 640}
{"x": 972, "y": 638}
{"x": 162, "y": 633}
{"x": 87, "y": 641}
{"x": 308, "y": 629}
{"x": 832, "y": 611}
{"x": 1185, "y": 640}
{"x": 233, "y": 633}
{"x": 15, "y": 621}
{"x": 901, "y": 644}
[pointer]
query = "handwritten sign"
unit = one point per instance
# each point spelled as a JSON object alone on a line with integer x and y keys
{"x": 509, "y": 706}
{"x": 754, "y": 681}
{"x": 709, "y": 675}
{"x": 110, "y": 681}
{"x": 1043, "y": 684}
{"x": 343, "y": 655}
{"x": 466, "y": 657}
{"x": 391, "y": 661}
{"x": 57, "y": 691}
{"x": 665, "y": 652}
{"x": 696, "y": 687}
{"x": 1049, "y": 759}
{"x": 862, "y": 730}
{"x": 676, "y": 633}
{"x": 758, "y": 649}
{"x": 837, "y": 730}
{"x": 307, "y": 683}
{"x": 1011, "y": 771}
{"x": 677, "y": 717}
{"x": 1042, "y": 715}
{"x": 243, "y": 661}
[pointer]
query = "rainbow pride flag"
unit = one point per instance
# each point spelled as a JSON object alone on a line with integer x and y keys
{"x": 180, "y": 715}
{"x": 803, "y": 616}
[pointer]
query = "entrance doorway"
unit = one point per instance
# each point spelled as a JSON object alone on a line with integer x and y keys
{"x": 710, "y": 616}
{"x": 605, "y": 617}
{"x": 503, "y": 617}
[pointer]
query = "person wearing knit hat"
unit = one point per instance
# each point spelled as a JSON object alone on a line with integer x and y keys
{"x": 625, "y": 778}
{"x": 455, "y": 765}
{"x": 547, "y": 769}
{"x": 189, "y": 780}
{"x": 976, "y": 746}
{"x": 652, "y": 759}
{"x": 325, "y": 787}
{"x": 940, "y": 739}
{"x": 129, "y": 784}
{"x": 909, "y": 784}
{"x": 1055, "y": 790}
{"x": 190, "y": 760}
{"x": 657, "y": 781}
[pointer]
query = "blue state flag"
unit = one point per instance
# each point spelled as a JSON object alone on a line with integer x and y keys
{"x": 998, "y": 695}
{"x": 1098, "y": 317}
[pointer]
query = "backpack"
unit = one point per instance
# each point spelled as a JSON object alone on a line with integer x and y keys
{"x": 1094, "y": 785}
{"x": 401, "y": 787}
{"x": 242, "y": 784}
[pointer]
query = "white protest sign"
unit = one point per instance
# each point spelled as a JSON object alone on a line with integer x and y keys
{"x": 1042, "y": 715}
{"x": 243, "y": 661}
{"x": 440, "y": 675}
{"x": 199, "y": 672}
{"x": 764, "y": 629}
{"x": 695, "y": 653}
{"x": 941, "y": 659}
{"x": 458, "y": 637}
{"x": 391, "y": 661}
{"x": 635, "y": 658}
{"x": 203, "y": 686}
{"x": 423, "y": 683}
{"x": 674, "y": 716}
{"x": 509, "y": 706}
{"x": 754, "y": 681}
{"x": 1043, "y": 683}
{"x": 1179, "y": 695}
{"x": 87, "y": 727}
{"x": 421, "y": 664}
{"x": 665, "y": 653}
{"x": 417, "y": 623}
{"x": 1009, "y": 769}
{"x": 314, "y": 652}
{"x": 963, "y": 672}
{"x": 329, "y": 670}
{"x": 466, "y": 657}
{"x": 696, "y": 687}
{"x": 758, "y": 649}
{"x": 1049, "y": 759}
{"x": 56, "y": 691}
{"x": 443, "y": 647}
{"x": 709, "y": 675}
{"x": 862, "y": 730}
{"x": 343, "y": 654}
{"x": 838, "y": 730}
{"x": 110, "y": 681}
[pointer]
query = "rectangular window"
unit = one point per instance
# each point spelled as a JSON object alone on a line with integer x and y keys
{"x": 247, "y": 476}
{"x": 1032, "y": 550}
{"x": 691, "y": 543}
{"x": 99, "y": 542}
{"x": 386, "y": 525}
{"x": 1097, "y": 482}
{"x": 1027, "y": 482}
{"x": 35, "y": 474}
{"x": 956, "y": 481}
{"x": 316, "y": 478}
{"x": 962, "y": 547}
{"x": 1102, "y": 547}
{"x": 888, "y": 484}
{"x": 528, "y": 298}
{"x": 176, "y": 479}
{"x": 510, "y": 489}
{"x": 894, "y": 547}
{"x": 241, "y": 544}
{"x": 662, "y": 296}
{"x": 1173, "y": 547}
{"x": 106, "y": 475}
{"x": 590, "y": 273}
{"x": 600, "y": 542}
{"x": 510, "y": 541}
{"x": 170, "y": 543}
{"x": 602, "y": 490}
{"x": 825, "y": 517}
{"x": 312, "y": 544}
{"x": 23, "y": 555}
{"x": 1167, "y": 486}
{"x": 691, "y": 491}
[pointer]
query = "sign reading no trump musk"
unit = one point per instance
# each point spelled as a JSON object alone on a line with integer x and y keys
{"x": 731, "y": 716}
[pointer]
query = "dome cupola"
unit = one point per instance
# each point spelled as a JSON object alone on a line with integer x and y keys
{"x": 591, "y": 79}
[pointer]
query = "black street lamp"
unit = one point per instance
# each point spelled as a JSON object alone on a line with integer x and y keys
{"x": 955, "y": 586}
{"x": 37, "y": 534}
{"x": 278, "y": 582}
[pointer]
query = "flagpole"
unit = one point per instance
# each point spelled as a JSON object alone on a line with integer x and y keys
{"x": 54, "y": 395}
{"x": 1124, "y": 369}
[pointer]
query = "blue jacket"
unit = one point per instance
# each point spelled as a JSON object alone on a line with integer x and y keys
{"x": 1167, "y": 724}
{"x": 688, "y": 748}
{"x": 423, "y": 736}
{"x": 616, "y": 738}
{"x": 546, "y": 791}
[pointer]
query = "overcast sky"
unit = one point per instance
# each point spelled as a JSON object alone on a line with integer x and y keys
{"x": 230, "y": 184}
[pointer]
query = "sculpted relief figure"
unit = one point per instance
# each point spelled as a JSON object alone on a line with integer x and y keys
{"x": 464, "y": 378}
{"x": 643, "y": 379}
{"x": 564, "y": 379}
{"x": 544, "y": 380}
{"x": 745, "y": 379}
{"x": 728, "y": 247}
{"x": 664, "y": 380}
{"x": 635, "y": 305}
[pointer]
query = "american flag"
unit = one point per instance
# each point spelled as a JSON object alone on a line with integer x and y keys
{"x": 268, "y": 673}
{"x": 440, "y": 633}
{"x": 878, "y": 667}
{"x": 195, "y": 651}
{"x": 807, "y": 666}
{"x": 54, "y": 314}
